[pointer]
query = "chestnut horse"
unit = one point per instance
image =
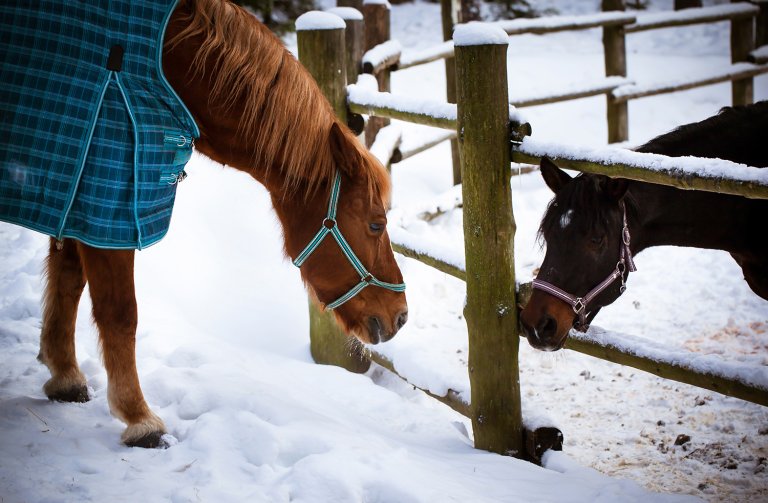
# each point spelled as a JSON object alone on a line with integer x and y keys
{"x": 259, "y": 111}
{"x": 595, "y": 224}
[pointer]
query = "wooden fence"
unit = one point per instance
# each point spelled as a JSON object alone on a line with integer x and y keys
{"x": 490, "y": 141}
{"x": 749, "y": 23}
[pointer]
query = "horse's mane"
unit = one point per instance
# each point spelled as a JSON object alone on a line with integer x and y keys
{"x": 283, "y": 113}
{"x": 735, "y": 134}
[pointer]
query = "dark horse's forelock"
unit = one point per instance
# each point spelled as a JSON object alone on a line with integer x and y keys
{"x": 585, "y": 192}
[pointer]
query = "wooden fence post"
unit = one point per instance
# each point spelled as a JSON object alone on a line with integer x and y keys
{"x": 376, "y": 18}
{"x": 614, "y": 44}
{"x": 448, "y": 18}
{"x": 742, "y": 42}
{"x": 686, "y": 4}
{"x": 761, "y": 23}
{"x": 320, "y": 37}
{"x": 353, "y": 35}
{"x": 355, "y": 4}
{"x": 489, "y": 231}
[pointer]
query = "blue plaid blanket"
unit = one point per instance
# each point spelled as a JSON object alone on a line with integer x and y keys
{"x": 92, "y": 137}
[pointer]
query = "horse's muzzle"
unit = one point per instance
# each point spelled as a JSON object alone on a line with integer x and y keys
{"x": 544, "y": 335}
{"x": 376, "y": 331}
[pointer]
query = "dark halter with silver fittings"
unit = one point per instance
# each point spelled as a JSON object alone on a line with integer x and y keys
{"x": 579, "y": 304}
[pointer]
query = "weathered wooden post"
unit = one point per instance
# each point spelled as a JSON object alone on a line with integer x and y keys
{"x": 353, "y": 35}
{"x": 453, "y": 12}
{"x": 320, "y": 38}
{"x": 761, "y": 23}
{"x": 376, "y": 18}
{"x": 742, "y": 42}
{"x": 489, "y": 232}
{"x": 614, "y": 44}
{"x": 686, "y": 4}
{"x": 355, "y": 4}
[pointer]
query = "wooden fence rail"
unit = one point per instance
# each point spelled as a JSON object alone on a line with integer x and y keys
{"x": 486, "y": 151}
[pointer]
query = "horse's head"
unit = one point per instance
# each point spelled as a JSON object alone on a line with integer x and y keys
{"x": 583, "y": 228}
{"x": 343, "y": 248}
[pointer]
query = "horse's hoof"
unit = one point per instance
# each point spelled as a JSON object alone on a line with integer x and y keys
{"x": 77, "y": 393}
{"x": 152, "y": 440}
{"x": 147, "y": 434}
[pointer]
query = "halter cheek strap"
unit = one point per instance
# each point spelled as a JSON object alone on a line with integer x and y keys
{"x": 330, "y": 226}
{"x": 579, "y": 304}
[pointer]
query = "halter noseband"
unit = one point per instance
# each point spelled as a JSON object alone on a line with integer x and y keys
{"x": 330, "y": 226}
{"x": 579, "y": 304}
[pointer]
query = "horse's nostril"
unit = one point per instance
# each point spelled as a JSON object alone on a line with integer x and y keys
{"x": 547, "y": 327}
{"x": 401, "y": 319}
{"x": 374, "y": 329}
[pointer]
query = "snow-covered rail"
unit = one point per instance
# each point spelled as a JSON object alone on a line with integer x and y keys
{"x": 687, "y": 17}
{"x": 689, "y": 173}
{"x": 738, "y": 71}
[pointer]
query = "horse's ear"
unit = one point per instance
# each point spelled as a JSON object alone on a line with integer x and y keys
{"x": 615, "y": 188}
{"x": 345, "y": 154}
{"x": 554, "y": 177}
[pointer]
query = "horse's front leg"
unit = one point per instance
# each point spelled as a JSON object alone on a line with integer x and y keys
{"x": 65, "y": 281}
{"x": 110, "y": 276}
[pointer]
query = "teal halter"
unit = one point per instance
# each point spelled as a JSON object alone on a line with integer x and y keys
{"x": 331, "y": 227}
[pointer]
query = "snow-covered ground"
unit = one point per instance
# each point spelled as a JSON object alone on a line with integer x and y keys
{"x": 223, "y": 346}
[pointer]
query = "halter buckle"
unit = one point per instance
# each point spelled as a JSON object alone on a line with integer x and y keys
{"x": 578, "y": 305}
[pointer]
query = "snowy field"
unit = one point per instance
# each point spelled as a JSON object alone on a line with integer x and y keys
{"x": 223, "y": 350}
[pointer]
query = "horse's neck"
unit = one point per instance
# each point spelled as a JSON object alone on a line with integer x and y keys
{"x": 669, "y": 216}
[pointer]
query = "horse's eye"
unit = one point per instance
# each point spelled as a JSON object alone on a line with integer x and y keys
{"x": 376, "y": 227}
{"x": 597, "y": 240}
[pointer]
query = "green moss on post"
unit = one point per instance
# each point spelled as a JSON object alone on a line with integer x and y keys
{"x": 322, "y": 52}
{"x": 489, "y": 231}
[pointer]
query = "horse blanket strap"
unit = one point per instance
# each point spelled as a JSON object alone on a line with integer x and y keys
{"x": 331, "y": 227}
{"x": 93, "y": 139}
{"x": 579, "y": 304}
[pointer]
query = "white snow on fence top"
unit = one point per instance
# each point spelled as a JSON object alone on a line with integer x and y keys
{"x": 693, "y": 15}
{"x": 760, "y": 53}
{"x": 362, "y": 95}
{"x": 634, "y": 89}
{"x": 705, "y": 168}
{"x": 346, "y": 13}
{"x": 476, "y": 33}
{"x": 318, "y": 20}
{"x": 387, "y": 140}
{"x": 377, "y": 2}
{"x": 703, "y": 364}
{"x": 551, "y": 23}
{"x": 604, "y": 84}
{"x": 380, "y": 54}
{"x": 417, "y": 57}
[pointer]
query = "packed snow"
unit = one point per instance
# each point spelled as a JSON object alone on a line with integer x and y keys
{"x": 223, "y": 351}
{"x": 477, "y": 33}
{"x": 317, "y": 20}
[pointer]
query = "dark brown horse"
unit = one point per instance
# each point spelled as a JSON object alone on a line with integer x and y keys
{"x": 258, "y": 111}
{"x": 584, "y": 224}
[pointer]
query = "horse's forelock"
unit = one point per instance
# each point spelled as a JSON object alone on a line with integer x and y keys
{"x": 582, "y": 196}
